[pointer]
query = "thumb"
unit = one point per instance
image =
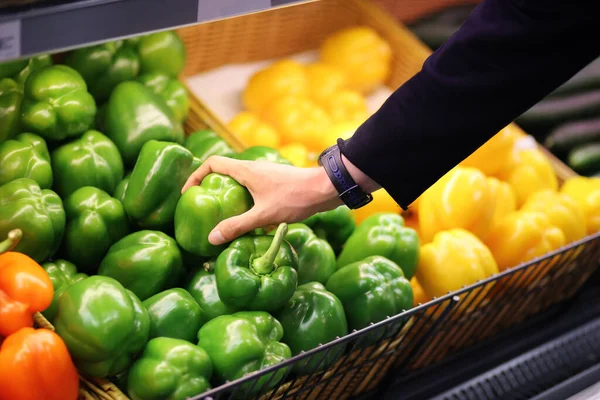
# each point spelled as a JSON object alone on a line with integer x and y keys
{"x": 234, "y": 227}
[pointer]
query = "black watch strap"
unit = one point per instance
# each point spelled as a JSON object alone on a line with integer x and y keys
{"x": 351, "y": 194}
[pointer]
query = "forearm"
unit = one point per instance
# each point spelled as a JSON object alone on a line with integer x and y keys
{"x": 505, "y": 58}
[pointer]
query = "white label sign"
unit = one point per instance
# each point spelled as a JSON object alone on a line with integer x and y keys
{"x": 10, "y": 40}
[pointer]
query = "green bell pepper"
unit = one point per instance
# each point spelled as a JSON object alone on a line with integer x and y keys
{"x": 95, "y": 221}
{"x": 56, "y": 104}
{"x": 11, "y": 97}
{"x": 171, "y": 90}
{"x": 154, "y": 187}
{"x": 243, "y": 343}
{"x": 169, "y": 369}
{"x": 145, "y": 262}
{"x": 38, "y": 213}
{"x": 91, "y": 160}
{"x": 33, "y": 64}
{"x": 206, "y": 143}
{"x": 313, "y": 316}
{"x": 134, "y": 115}
{"x": 371, "y": 290}
{"x": 257, "y": 273}
{"x": 316, "y": 259}
{"x": 383, "y": 234}
{"x": 175, "y": 314}
{"x": 203, "y": 288}
{"x": 104, "y": 66}
{"x": 63, "y": 274}
{"x": 202, "y": 207}
{"x": 335, "y": 226}
{"x": 262, "y": 153}
{"x": 121, "y": 188}
{"x": 25, "y": 156}
{"x": 162, "y": 52}
{"x": 9, "y": 69}
{"x": 103, "y": 325}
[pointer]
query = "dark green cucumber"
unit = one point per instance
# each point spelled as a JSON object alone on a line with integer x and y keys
{"x": 585, "y": 80}
{"x": 551, "y": 112}
{"x": 573, "y": 134}
{"x": 596, "y": 175}
{"x": 434, "y": 34}
{"x": 456, "y": 15}
{"x": 585, "y": 159}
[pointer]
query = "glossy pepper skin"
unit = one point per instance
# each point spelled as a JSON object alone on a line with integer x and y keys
{"x": 25, "y": 288}
{"x": 162, "y": 52}
{"x": 104, "y": 66}
{"x": 11, "y": 68}
{"x": 174, "y": 314}
{"x": 135, "y": 115}
{"x": 586, "y": 191}
{"x": 313, "y": 316}
{"x": 460, "y": 199}
{"x": 257, "y": 273}
{"x": 335, "y": 226}
{"x": 103, "y": 325}
{"x": 242, "y": 343}
{"x": 154, "y": 187}
{"x": 121, "y": 188}
{"x": 25, "y": 156}
{"x": 504, "y": 198}
{"x": 206, "y": 143}
{"x": 38, "y": 213}
{"x": 145, "y": 262}
{"x": 202, "y": 207}
{"x": 383, "y": 234}
{"x": 563, "y": 211}
{"x": 11, "y": 97}
{"x": 493, "y": 156}
{"x": 169, "y": 369}
{"x": 95, "y": 221}
{"x": 371, "y": 290}
{"x": 297, "y": 154}
{"x": 56, "y": 103}
{"x": 63, "y": 274}
{"x": 171, "y": 90}
{"x": 33, "y": 64}
{"x": 203, "y": 288}
{"x": 262, "y": 153}
{"x": 33, "y": 353}
{"x": 91, "y": 160}
{"x": 456, "y": 250}
{"x": 522, "y": 236}
{"x": 316, "y": 259}
{"x": 253, "y": 131}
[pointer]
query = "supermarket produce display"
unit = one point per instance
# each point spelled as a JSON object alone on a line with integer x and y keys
{"x": 95, "y": 147}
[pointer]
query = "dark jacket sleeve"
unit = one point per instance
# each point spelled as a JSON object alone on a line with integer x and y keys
{"x": 506, "y": 57}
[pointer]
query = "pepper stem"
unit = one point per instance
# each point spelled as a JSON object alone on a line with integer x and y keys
{"x": 12, "y": 241}
{"x": 264, "y": 264}
{"x": 209, "y": 265}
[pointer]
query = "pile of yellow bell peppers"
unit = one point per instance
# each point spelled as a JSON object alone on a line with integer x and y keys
{"x": 301, "y": 109}
{"x": 501, "y": 207}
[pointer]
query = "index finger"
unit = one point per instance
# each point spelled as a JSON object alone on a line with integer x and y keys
{"x": 218, "y": 164}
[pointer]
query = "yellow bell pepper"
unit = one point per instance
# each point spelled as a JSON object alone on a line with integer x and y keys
{"x": 346, "y": 106}
{"x": 563, "y": 211}
{"x": 382, "y": 202}
{"x": 419, "y": 295}
{"x": 298, "y": 120}
{"x": 460, "y": 199}
{"x": 531, "y": 172}
{"x": 282, "y": 78}
{"x": 343, "y": 130}
{"x": 324, "y": 80}
{"x": 494, "y": 154}
{"x": 453, "y": 259}
{"x": 364, "y": 56}
{"x": 522, "y": 236}
{"x": 249, "y": 128}
{"x": 296, "y": 153}
{"x": 586, "y": 191}
{"x": 504, "y": 197}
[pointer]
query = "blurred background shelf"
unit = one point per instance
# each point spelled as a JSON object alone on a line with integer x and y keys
{"x": 30, "y": 27}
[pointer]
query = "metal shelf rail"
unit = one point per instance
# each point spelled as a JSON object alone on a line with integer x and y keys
{"x": 48, "y": 26}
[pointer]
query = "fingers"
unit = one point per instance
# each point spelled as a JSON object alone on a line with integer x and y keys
{"x": 235, "y": 227}
{"x": 218, "y": 164}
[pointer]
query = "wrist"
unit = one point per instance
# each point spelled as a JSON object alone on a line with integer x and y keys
{"x": 361, "y": 179}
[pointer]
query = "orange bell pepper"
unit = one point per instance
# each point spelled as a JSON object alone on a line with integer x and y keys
{"x": 25, "y": 287}
{"x": 35, "y": 364}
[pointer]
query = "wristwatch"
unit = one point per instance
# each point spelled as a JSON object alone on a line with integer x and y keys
{"x": 351, "y": 194}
